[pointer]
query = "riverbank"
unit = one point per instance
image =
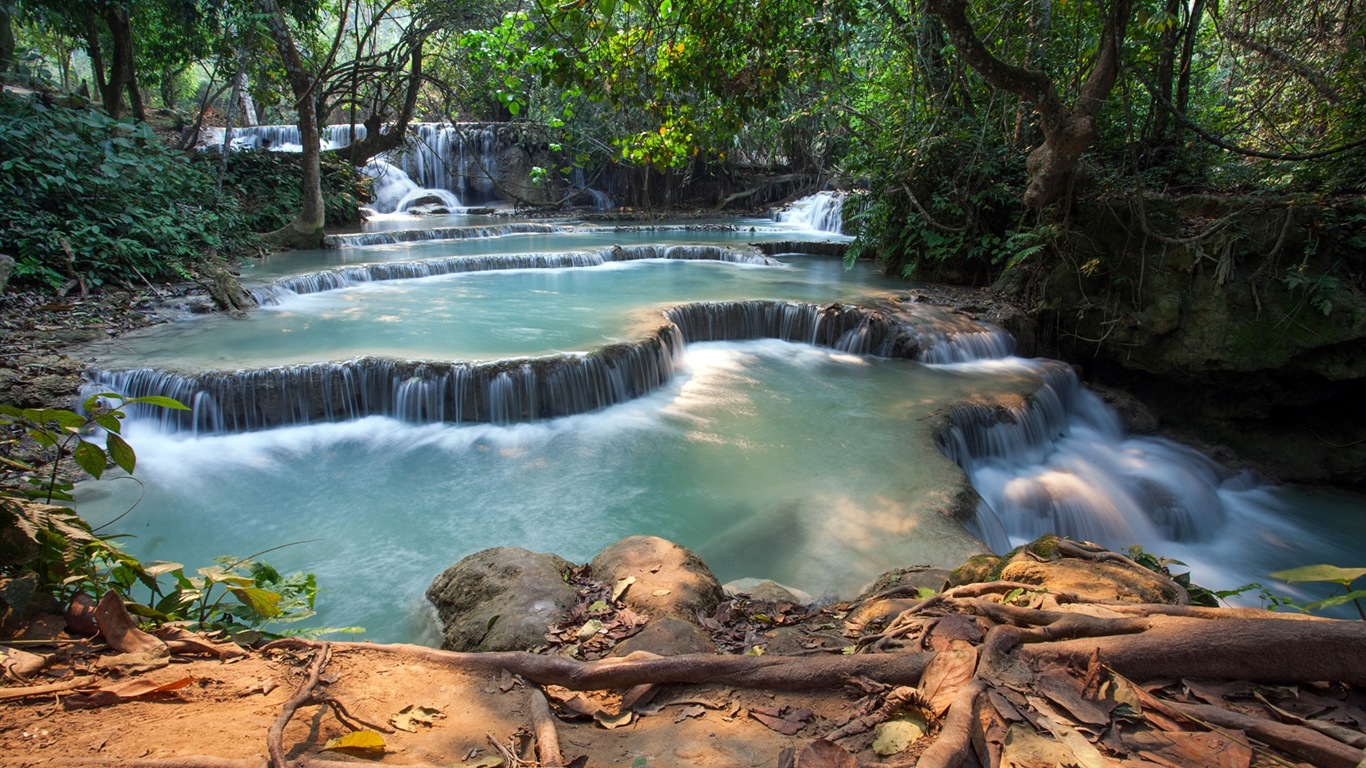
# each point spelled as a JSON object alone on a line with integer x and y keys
{"x": 1044, "y": 663}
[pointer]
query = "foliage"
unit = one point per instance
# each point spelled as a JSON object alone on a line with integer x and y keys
{"x": 1326, "y": 574}
{"x": 64, "y": 434}
{"x": 1198, "y": 594}
{"x": 98, "y": 200}
{"x": 266, "y": 187}
{"x": 56, "y": 548}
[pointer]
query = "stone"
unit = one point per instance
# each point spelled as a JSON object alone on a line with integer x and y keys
{"x": 425, "y": 200}
{"x": 669, "y": 579}
{"x": 1090, "y": 580}
{"x": 501, "y": 599}
{"x": 6, "y": 268}
{"x": 669, "y": 636}
{"x": 770, "y": 591}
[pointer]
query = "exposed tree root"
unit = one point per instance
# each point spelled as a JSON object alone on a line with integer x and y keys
{"x": 1318, "y": 749}
{"x": 275, "y": 736}
{"x": 543, "y": 725}
{"x": 786, "y": 673}
{"x": 955, "y": 741}
{"x": 1237, "y": 649}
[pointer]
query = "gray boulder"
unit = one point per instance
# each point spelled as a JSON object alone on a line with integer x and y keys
{"x": 500, "y": 599}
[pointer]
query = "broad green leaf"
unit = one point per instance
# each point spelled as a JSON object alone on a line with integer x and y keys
{"x": 121, "y": 452}
{"x": 89, "y": 457}
{"x": 1321, "y": 572}
{"x": 1336, "y": 600}
{"x": 157, "y": 568}
{"x": 161, "y": 402}
{"x": 262, "y": 602}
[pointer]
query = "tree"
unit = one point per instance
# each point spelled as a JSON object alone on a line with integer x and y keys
{"x": 1067, "y": 131}
{"x": 306, "y": 230}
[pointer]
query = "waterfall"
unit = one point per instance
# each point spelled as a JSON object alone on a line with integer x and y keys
{"x": 393, "y": 236}
{"x": 1060, "y": 462}
{"x": 281, "y": 138}
{"x": 502, "y": 391}
{"x": 394, "y": 191}
{"x": 459, "y": 157}
{"x": 344, "y": 277}
{"x": 823, "y": 212}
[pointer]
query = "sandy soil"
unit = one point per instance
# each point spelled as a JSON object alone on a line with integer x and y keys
{"x": 226, "y": 711}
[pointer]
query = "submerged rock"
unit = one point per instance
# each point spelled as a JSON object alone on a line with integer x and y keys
{"x": 500, "y": 599}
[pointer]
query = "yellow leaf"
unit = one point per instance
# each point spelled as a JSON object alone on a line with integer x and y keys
{"x": 660, "y": 592}
{"x": 363, "y": 742}
{"x": 613, "y": 721}
{"x": 624, "y": 584}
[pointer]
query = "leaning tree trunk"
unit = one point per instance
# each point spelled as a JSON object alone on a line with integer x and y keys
{"x": 1067, "y": 132}
{"x": 306, "y": 230}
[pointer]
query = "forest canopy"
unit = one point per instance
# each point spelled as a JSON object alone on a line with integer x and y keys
{"x": 971, "y": 126}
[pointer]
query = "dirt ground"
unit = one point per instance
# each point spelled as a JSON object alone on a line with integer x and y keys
{"x": 227, "y": 709}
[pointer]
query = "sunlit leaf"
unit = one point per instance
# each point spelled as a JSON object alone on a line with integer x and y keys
{"x": 1321, "y": 572}
{"x": 262, "y": 602}
{"x": 161, "y": 402}
{"x": 366, "y": 743}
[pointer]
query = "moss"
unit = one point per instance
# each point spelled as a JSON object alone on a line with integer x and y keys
{"x": 978, "y": 569}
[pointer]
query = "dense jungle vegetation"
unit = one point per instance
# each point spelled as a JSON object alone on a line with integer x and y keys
{"x": 974, "y": 128}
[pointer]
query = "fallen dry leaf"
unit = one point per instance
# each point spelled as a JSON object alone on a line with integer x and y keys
{"x": 410, "y": 717}
{"x": 787, "y": 721}
{"x": 947, "y": 672}
{"x": 825, "y": 754}
{"x": 366, "y": 743}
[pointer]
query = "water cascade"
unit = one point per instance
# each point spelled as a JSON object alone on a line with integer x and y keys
{"x": 782, "y": 427}
{"x": 334, "y": 279}
{"x": 390, "y": 237}
{"x": 498, "y": 392}
{"x": 823, "y": 212}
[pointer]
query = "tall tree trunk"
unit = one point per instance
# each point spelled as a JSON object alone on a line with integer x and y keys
{"x": 6, "y": 39}
{"x": 122, "y": 73}
{"x": 306, "y": 230}
{"x": 1166, "y": 67}
{"x": 92, "y": 48}
{"x": 1067, "y": 131}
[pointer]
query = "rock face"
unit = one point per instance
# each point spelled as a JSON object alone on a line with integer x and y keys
{"x": 1044, "y": 562}
{"x": 524, "y": 590}
{"x": 659, "y": 565}
{"x": 1238, "y": 321}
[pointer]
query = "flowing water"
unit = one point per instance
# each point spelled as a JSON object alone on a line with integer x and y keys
{"x": 400, "y": 404}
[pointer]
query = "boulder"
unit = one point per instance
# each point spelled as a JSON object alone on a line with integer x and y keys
{"x": 669, "y": 579}
{"x": 770, "y": 591}
{"x": 500, "y": 599}
{"x": 669, "y": 636}
{"x": 1044, "y": 563}
{"x": 6, "y": 268}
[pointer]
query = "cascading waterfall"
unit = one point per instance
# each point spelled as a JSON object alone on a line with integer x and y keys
{"x": 503, "y": 391}
{"x": 394, "y": 236}
{"x": 1060, "y": 462}
{"x": 334, "y": 279}
{"x": 459, "y": 157}
{"x": 281, "y": 138}
{"x": 823, "y": 212}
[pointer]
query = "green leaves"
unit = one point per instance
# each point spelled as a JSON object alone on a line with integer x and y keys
{"x": 1326, "y": 573}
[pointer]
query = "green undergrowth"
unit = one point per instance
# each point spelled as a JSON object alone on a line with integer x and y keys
{"x": 91, "y": 201}
{"x": 50, "y": 556}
